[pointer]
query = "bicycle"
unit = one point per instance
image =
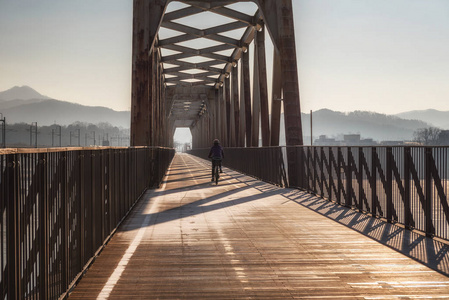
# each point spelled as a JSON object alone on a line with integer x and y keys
{"x": 216, "y": 165}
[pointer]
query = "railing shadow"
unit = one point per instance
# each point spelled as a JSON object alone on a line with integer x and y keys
{"x": 202, "y": 205}
{"x": 428, "y": 251}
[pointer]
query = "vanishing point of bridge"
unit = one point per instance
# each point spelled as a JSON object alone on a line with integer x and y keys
{"x": 284, "y": 222}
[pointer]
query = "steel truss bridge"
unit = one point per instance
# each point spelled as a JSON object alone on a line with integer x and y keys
{"x": 144, "y": 222}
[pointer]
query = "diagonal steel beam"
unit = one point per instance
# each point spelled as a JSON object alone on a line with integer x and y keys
{"x": 182, "y": 13}
{"x": 177, "y": 69}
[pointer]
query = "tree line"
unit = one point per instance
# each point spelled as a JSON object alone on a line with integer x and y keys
{"x": 431, "y": 136}
{"x": 78, "y": 134}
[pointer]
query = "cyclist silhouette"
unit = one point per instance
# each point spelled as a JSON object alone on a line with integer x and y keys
{"x": 217, "y": 155}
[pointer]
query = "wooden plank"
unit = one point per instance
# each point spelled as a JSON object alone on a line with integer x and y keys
{"x": 259, "y": 241}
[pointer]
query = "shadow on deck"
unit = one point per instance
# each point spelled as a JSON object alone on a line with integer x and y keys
{"x": 248, "y": 239}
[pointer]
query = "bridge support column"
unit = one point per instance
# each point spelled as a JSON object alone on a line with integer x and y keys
{"x": 140, "y": 102}
{"x": 235, "y": 114}
{"x": 227, "y": 96}
{"x": 262, "y": 85}
{"x": 276, "y": 100}
{"x": 213, "y": 115}
{"x": 242, "y": 120}
{"x": 235, "y": 101}
{"x": 245, "y": 85}
{"x": 278, "y": 16}
{"x": 256, "y": 101}
{"x": 146, "y": 23}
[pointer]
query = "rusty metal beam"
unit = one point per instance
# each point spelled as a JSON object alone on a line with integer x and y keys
{"x": 227, "y": 89}
{"x": 263, "y": 89}
{"x": 141, "y": 64}
{"x": 236, "y": 105}
{"x": 276, "y": 100}
{"x": 256, "y": 102}
{"x": 246, "y": 86}
{"x": 232, "y": 116}
{"x": 278, "y": 16}
{"x": 224, "y": 125}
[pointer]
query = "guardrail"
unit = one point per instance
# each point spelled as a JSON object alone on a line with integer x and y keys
{"x": 59, "y": 207}
{"x": 406, "y": 185}
{"x": 265, "y": 163}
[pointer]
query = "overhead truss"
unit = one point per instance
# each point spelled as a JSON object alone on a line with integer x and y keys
{"x": 191, "y": 68}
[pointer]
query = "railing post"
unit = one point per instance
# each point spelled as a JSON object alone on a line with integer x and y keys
{"x": 314, "y": 166}
{"x": 406, "y": 200}
{"x": 348, "y": 200}
{"x": 373, "y": 181}
{"x": 389, "y": 187}
{"x": 360, "y": 179}
{"x": 82, "y": 158}
{"x": 65, "y": 221}
{"x": 13, "y": 250}
{"x": 103, "y": 192}
{"x": 322, "y": 171}
{"x": 339, "y": 182}
{"x": 428, "y": 192}
{"x": 43, "y": 227}
{"x": 331, "y": 177}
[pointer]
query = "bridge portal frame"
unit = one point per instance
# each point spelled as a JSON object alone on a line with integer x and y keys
{"x": 233, "y": 114}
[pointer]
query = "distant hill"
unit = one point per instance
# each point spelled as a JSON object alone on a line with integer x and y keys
{"x": 47, "y": 112}
{"x": 34, "y": 107}
{"x": 434, "y": 117}
{"x": 21, "y": 93}
{"x": 379, "y": 127}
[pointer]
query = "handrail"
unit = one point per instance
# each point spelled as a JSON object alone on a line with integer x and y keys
{"x": 59, "y": 206}
{"x": 408, "y": 185}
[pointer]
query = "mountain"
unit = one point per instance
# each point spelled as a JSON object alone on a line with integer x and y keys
{"x": 379, "y": 127}
{"x": 47, "y": 112}
{"x": 25, "y": 105}
{"x": 434, "y": 117}
{"x": 21, "y": 93}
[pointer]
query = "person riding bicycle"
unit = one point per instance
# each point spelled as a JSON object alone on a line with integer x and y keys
{"x": 217, "y": 154}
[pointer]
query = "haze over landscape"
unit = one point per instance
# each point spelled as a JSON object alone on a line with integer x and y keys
{"x": 26, "y": 105}
{"x": 381, "y": 56}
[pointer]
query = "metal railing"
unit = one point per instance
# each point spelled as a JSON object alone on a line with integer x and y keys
{"x": 265, "y": 163}
{"x": 407, "y": 185}
{"x": 58, "y": 208}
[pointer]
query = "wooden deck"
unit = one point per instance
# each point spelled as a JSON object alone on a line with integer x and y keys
{"x": 245, "y": 239}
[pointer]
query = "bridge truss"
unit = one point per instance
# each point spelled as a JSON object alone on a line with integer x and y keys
{"x": 202, "y": 64}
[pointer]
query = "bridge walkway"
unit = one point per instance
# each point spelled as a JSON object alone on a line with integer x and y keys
{"x": 246, "y": 239}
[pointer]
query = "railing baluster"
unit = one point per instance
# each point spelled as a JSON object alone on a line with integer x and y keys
{"x": 55, "y": 212}
{"x": 348, "y": 169}
{"x": 12, "y": 212}
{"x": 428, "y": 191}
{"x": 389, "y": 182}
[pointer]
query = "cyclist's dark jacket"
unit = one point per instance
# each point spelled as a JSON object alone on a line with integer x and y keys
{"x": 216, "y": 151}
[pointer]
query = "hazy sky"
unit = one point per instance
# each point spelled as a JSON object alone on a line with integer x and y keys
{"x": 387, "y": 56}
